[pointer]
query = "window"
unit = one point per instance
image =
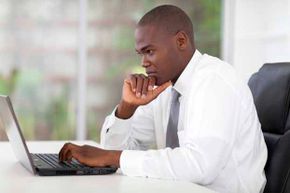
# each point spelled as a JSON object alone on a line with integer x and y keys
{"x": 39, "y": 58}
{"x": 111, "y": 49}
{"x": 38, "y": 54}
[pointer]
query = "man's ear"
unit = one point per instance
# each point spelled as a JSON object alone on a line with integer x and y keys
{"x": 181, "y": 40}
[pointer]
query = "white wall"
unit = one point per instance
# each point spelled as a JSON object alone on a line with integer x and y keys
{"x": 255, "y": 32}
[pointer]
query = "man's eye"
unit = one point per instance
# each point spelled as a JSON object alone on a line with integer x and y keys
{"x": 149, "y": 52}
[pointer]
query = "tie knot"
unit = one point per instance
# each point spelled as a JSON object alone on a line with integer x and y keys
{"x": 175, "y": 94}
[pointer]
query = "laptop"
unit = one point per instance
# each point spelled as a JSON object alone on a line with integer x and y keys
{"x": 40, "y": 164}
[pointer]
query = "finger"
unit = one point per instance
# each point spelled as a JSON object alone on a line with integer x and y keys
{"x": 64, "y": 151}
{"x": 133, "y": 81}
{"x": 139, "y": 86}
{"x": 66, "y": 148}
{"x": 128, "y": 85}
{"x": 152, "y": 81}
{"x": 76, "y": 154}
{"x": 145, "y": 87}
{"x": 67, "y": 154}
{"x": 61, "y": 151}
{"x": 160, "y": 89}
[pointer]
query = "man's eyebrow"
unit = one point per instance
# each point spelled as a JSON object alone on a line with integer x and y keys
{"x": 143, "y": 48}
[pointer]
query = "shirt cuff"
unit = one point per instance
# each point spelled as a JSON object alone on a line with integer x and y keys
{"x": 115, "y": 131}
{"x": 131, "y": 162}
{"x": 117, "y": 125}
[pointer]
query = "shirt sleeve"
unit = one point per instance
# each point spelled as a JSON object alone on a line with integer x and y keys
{"x": 136, "y": 132}
{"x": 205, "y": 143}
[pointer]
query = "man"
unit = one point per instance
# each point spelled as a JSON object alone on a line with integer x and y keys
{"x": 200, "y": 115}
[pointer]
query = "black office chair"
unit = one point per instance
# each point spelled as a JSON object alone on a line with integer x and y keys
{"x": 271, "y": 91}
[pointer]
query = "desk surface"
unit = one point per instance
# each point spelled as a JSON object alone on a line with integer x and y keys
{"x": 14, "y": 178}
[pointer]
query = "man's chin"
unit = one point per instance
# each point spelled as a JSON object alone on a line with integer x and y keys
{"x": 159, "y": 82}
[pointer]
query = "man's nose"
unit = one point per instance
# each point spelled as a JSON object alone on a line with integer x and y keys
{"x": 145, "y": 63}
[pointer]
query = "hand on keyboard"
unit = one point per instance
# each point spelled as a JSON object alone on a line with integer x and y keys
{"x": 89, "y": 155}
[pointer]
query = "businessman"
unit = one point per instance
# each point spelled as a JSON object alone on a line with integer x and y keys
{"x": 191, "y": 106}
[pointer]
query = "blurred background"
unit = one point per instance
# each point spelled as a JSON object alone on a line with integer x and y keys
{"x": 63, "y": 61}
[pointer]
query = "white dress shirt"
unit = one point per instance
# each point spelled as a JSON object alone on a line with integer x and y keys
{"x": 221, "y": 143}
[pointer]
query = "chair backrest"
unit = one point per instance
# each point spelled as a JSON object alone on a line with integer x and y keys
{"x": 270, "y": 87}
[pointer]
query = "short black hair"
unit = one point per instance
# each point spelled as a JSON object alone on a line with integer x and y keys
{"x": 169, "y": 18}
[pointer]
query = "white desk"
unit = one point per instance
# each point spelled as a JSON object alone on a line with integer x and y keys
{"x": 14, "y": 178}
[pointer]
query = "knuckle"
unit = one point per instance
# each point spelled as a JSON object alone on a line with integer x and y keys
{"x": 132, "y": 77}
{"x": 66, "y": 145}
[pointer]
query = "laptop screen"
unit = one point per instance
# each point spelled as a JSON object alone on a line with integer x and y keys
{"x": 14, "y": 134}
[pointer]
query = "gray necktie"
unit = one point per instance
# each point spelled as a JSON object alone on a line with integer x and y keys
{"x": 171, "y": 134}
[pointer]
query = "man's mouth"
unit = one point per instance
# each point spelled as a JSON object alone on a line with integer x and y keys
{"x": 151, "y": 73}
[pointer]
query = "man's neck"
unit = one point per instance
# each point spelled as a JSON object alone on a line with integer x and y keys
{"x": 187, "y": 57}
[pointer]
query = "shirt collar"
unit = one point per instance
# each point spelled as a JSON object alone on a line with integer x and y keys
{"x": 182, "y": 82}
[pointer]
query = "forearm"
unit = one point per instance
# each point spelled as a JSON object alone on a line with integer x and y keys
{"x": 181, "y": 163}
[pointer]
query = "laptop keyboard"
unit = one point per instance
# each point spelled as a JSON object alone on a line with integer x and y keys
{"x": 52, "y": 160}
